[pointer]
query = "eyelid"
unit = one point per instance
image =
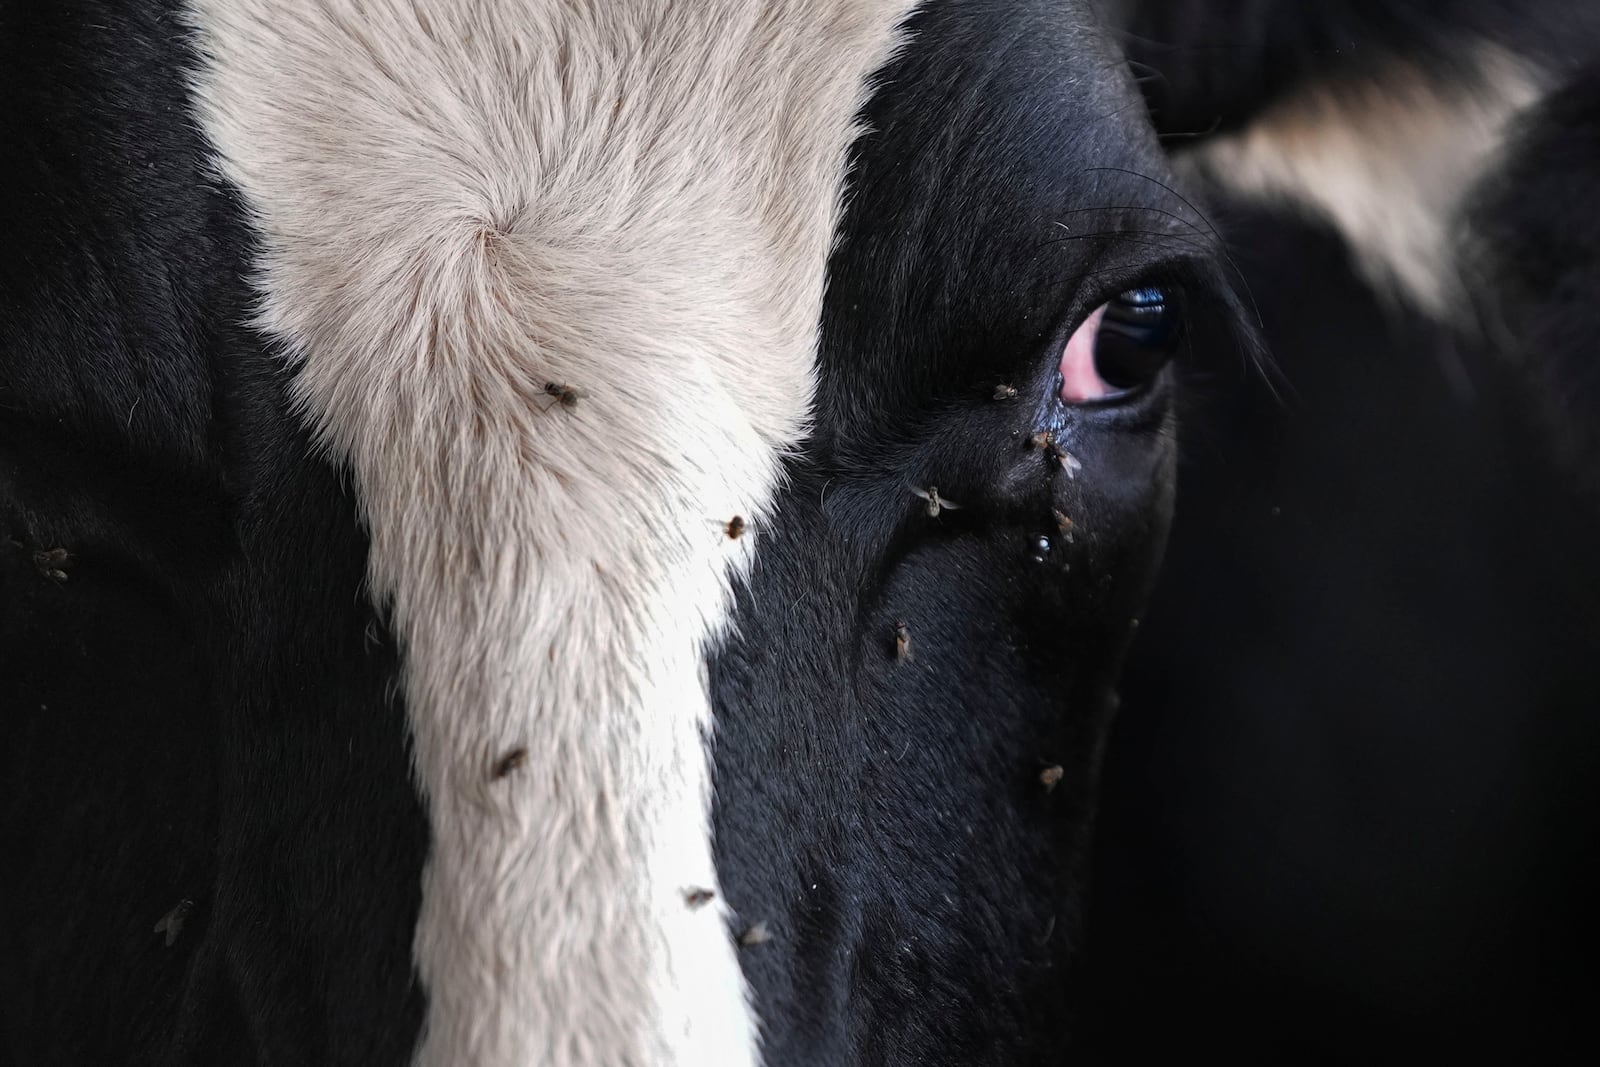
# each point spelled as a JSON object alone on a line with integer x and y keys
{"x": 1141, "y": 297}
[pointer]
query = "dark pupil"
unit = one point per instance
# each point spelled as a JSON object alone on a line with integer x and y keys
{"x": 1138, "y": 334}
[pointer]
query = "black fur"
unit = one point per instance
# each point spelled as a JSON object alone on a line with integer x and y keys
{"x": 885, "y": 815}
{"x": 198, "y": 711}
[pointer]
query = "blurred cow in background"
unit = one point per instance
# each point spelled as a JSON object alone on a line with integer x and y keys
{"x": 1351, "y": 804}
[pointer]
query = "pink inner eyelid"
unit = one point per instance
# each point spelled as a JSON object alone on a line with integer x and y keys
{"x": 1080, "y": 381}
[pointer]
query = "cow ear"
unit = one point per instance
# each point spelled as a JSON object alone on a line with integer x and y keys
{"x": 1361, "y": 115}
{"x": 1388, "y": 158}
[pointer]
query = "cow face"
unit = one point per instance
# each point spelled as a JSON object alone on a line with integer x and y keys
{"x": 660, "y": 492}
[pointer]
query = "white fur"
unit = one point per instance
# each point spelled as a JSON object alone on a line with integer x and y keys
{"x": 1387, "y": 161}
{"x": 460, "y": 200}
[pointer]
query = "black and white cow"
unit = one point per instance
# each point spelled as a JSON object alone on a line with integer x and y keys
{"x": 565, "y": 533}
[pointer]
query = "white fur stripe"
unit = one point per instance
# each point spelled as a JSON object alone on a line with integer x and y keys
{"x": 1386, "y": 160}
{"x": 459, "y": 201}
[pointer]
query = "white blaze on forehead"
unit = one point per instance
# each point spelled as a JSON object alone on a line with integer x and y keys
{"x": 1388, "y": 160}
{"x": 460, "y": 202}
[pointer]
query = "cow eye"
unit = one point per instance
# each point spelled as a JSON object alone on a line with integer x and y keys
{"x": 1138, "y": 335}
{"x": 1122, "y": 346}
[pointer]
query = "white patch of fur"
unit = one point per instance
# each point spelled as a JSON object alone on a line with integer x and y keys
{"x": 1386, "y": 161}
{"x": 459, "y": 201}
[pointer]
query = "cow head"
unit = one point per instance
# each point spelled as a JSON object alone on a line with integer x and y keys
{"x": 674, "y": 480}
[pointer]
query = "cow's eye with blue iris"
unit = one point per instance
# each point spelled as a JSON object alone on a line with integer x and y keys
{"x": 1138, "y": 335}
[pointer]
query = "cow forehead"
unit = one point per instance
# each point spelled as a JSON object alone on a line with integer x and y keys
{"x": 551, "y": 278}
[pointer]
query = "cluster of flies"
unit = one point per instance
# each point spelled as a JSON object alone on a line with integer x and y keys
{"x": 1042, "y": 441}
